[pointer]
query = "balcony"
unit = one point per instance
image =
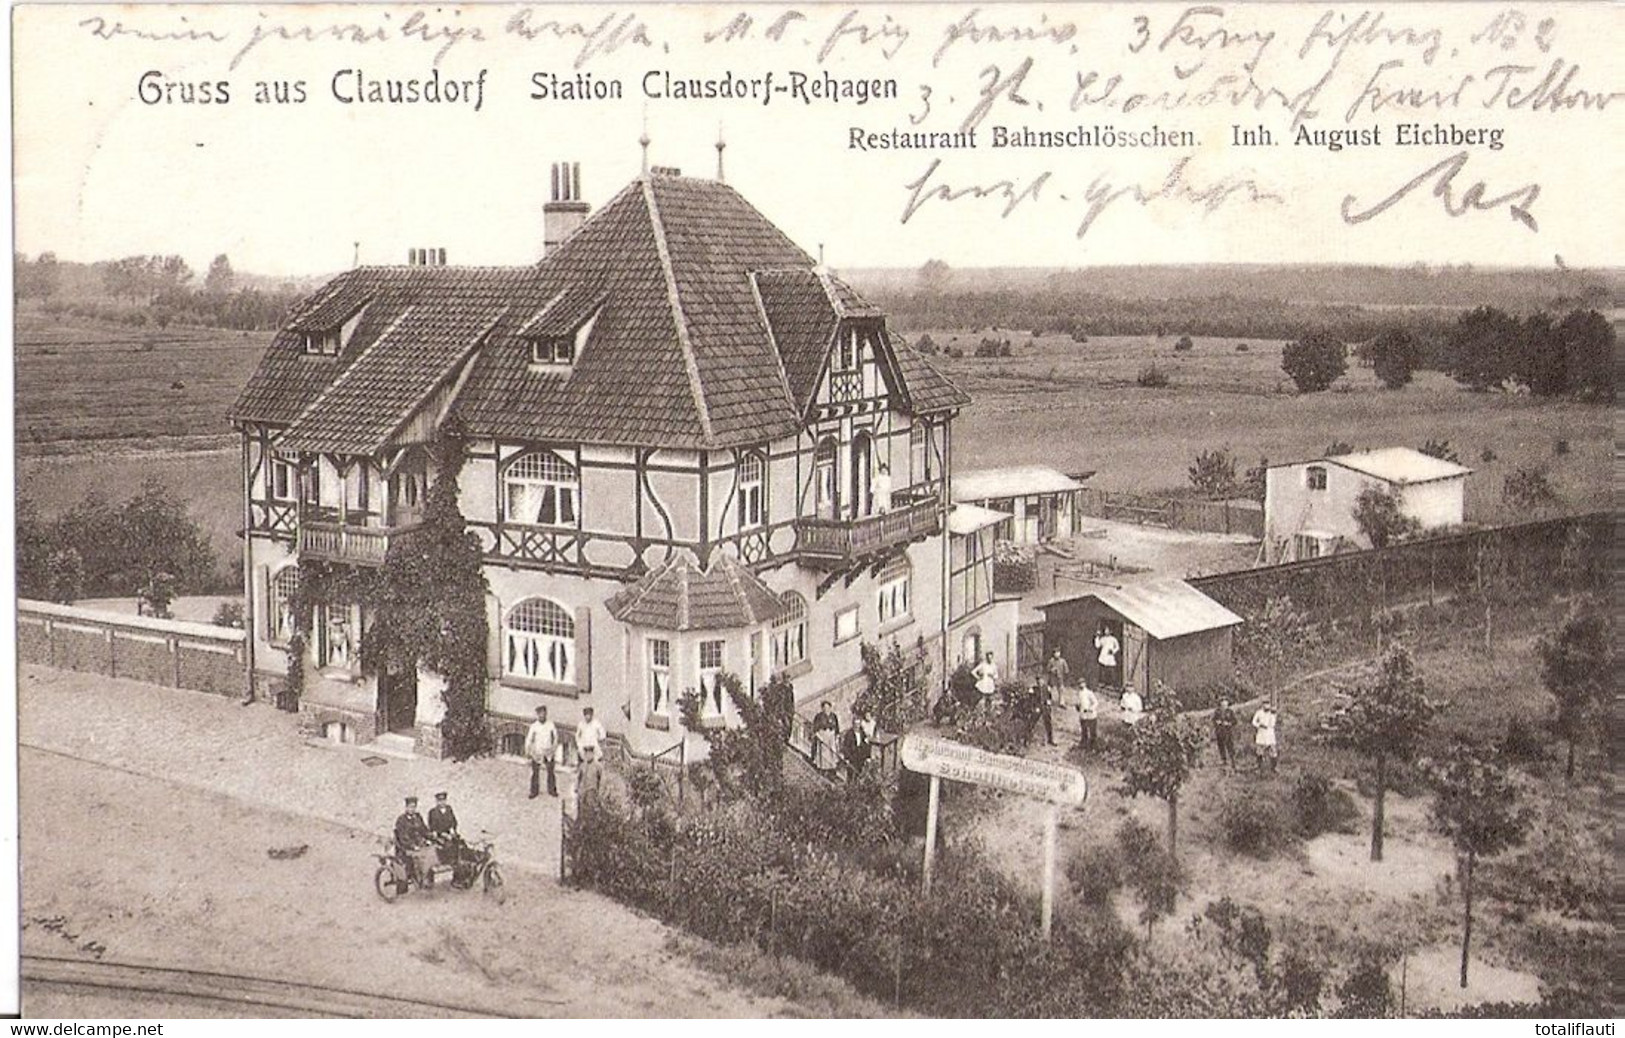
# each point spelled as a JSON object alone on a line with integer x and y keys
{"x": 342, "y": 542}
{"x": 838, "y": 543}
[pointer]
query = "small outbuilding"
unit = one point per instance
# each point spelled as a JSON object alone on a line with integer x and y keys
{"x": 1041, "y": 502}
{"x": 1166, "y": 630}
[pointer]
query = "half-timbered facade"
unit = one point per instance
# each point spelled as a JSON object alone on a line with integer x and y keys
{"x": 689, "y": 449}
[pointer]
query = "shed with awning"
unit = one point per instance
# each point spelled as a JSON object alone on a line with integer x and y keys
{"x": 1166, "y": 630}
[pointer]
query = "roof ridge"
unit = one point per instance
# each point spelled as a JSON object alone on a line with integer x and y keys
{"x": 690, "y": 363}
{"x": 772, "y": 341}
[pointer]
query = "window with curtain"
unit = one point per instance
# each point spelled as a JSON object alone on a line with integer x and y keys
{"x": 539, "y": 642}
{"x": 542, "y": 489}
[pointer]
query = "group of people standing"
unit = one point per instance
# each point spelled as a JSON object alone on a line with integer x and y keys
{"x": 544, "y": 748}
{"x": 1266, "y": 746}
{"x": 831, "y": 746}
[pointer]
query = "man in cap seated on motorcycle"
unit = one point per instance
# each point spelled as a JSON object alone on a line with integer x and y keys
{"x": 444, "y": 835}
{"x": 412, "y": 843}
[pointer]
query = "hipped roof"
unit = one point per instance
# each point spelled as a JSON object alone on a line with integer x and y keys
{"x": 678, "y": 595}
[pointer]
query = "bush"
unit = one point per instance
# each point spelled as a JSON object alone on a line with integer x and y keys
{"x": 230, "y": 614}
{"x": 1183, "y": 344}
{"x": 1214, "y": 474}
{"x": 1242, "y": 347}
{"x": 1365, "y": 992}
{"x": 1154, "y": 875}
{"x": 925, "y": 344}
{"x": 1314, "y": 362}
{"x": 1253, "y": 825}
{"x": 1319, "y": 806}
{"x": 1523, "y": 743}
{"x": 1094, "y": 874}
{"x": 1529, "y": 489}
{"x": 1152, "y": 377}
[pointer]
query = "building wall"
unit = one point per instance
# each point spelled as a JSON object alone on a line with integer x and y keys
{"x": 172, "y": 653}
{"x": 1290, "y": 507}
{"x": 1193, "y": 661}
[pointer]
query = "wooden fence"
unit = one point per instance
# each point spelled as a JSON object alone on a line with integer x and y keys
{"x": 1174, "y": 513}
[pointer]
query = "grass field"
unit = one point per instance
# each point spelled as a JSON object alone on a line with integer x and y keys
{"x": 83, "y": 384}
{"x": 1076, "y": 406}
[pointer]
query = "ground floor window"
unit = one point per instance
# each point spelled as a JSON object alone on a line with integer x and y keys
{"x": 538, "y": 637}
{"x": 790, "y": 633}
{"x": 659, "y": 677}
{"x": 336, "y": 637}
{"x": 280, "y": 592}
{"x": 710, "y": 683}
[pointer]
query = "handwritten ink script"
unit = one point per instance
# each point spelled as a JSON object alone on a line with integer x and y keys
{"x": 1008, "y": 113}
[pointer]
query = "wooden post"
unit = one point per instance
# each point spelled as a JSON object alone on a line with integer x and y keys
{"x": 931, "y": 830}
{"x": 1047, "y": 912}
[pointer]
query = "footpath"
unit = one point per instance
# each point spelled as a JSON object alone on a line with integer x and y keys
{"x": 257, "y": 754}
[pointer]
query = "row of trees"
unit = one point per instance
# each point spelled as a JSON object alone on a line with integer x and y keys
{"x": 1485, "y": 349}
{"x": 151, "y": 289}
{"x": 146, "y": 545}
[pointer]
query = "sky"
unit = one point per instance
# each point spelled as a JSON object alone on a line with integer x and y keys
{"x": 293, "y": 189}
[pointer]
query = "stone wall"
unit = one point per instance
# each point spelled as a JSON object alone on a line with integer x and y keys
{"x": 173, "y": 653}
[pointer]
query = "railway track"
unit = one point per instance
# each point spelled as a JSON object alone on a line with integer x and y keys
{"x": 233, "y": 989}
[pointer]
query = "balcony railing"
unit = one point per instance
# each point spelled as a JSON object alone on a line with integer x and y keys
{"x": 835, "y": 543}
{"x": 341, "y": 542}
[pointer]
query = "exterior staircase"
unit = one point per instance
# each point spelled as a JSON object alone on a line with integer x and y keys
{"x": 394, "y": 744}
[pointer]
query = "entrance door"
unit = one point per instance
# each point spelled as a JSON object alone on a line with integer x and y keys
{"x": 1136, "y": 658}
{"x": 826, "y": 499}
{"x": 399, "y": 693}
{"x": 862, "y": 453}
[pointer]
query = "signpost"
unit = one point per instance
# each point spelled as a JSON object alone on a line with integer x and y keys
{"x": 944, "y": 759}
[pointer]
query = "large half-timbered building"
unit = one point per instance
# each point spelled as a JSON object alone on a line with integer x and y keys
{"x": 690, "y": 449}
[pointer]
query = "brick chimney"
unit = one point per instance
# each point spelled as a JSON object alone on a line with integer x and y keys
{"x": 435, "y": 257}
{"x": 565, "y": 211}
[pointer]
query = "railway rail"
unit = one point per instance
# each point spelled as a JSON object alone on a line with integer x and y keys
{"x": 234, "y": 989}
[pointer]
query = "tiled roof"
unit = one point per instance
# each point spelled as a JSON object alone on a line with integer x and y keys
{"x": 678, "y": 596}
{"x": 928, "y": 389}
{"x": 687, "y": 350}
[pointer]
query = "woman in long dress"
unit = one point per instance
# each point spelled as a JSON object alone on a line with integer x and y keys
{"x": 826, "y": 738}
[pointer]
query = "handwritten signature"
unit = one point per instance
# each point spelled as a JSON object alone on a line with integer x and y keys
{"x": 1179, "y": 185}
{"x": 1443, "y": 175}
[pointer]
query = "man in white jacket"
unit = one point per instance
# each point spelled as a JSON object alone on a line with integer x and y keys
{"x": 541, "y": 746}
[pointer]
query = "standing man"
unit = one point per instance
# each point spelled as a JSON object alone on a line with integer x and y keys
{"x": 1056, "y": 672}
{"x": 1224, "y": 734}
{"x": 590, "y": 737}
{"x": 1088, "y": 717}
{"x": 541, "y": 746}
{"x": 1106, "y": 649}
{"x": 1264, "y": 748}
{"x": 1044, "y": 693}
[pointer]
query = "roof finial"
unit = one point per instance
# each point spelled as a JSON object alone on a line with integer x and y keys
{"x": 721, "y": 144}
{"x": 643, "y": 139}
{"x": 820, "y": 254}
{"x": 355, "y": 258}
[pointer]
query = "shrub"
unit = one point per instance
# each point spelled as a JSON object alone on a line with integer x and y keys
{"x": 1242, "y": 347}
{"x": 1523, "y": 743}
{"x": 1319, "y": 806}
{"x": 1441, "y": 449}
{"x": 954, "y": 351}
{"x": 1365, "y": 992}
{"x": 1560, "y": 448}
{"x": 1253, "y": 825}
{"x": 1079, "y": 337}
{"x": 1214, "y": 473}
{"x": 1487, "y": 456}
{"x": 1094, "y": 874}
{"x": 229, "y": 614}
{"x": 925, "y": 344}
{"x": 1183, "y": 344}
{"x": 1394, "y": 355}
{"x": 1314, "y": 362}
{"x": 1152, "y": 377}
{"x": 1528, "y": 488}
{"x": 1154, "y": 875}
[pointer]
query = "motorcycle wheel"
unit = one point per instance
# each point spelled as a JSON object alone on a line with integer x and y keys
{"x": 384, "y": 882}
{"x": 493, "y": 884}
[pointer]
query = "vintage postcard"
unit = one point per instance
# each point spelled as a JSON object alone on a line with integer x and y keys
{"x": 969, "y": 510}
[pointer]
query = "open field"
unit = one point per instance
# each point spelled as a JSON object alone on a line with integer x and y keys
{"x": 83, "y": 383}
{"x": 1076, "y": 406}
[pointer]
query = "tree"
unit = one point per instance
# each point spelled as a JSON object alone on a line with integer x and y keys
{"x": 66, "y": 576}
{"x": 934, "y": 275}
{"x": 1163, "y": 750}
{"x": 1385, "y": 719}
{"x": 1315, "y": 361}
{"x": 1440, "y": 449}
{"x": 1528, "y": 490}
{"x": 35, "y": 543}
{"x": 1394, "y": 355}
{"x": 1378, "y": 515}
{"x": 1577, "y": 666}
{"x": 1586, "y": 339}
{"x": 430, "y": 605}
{"x": 1214, "y": 474}
{"x": 220, "y": 279}
{"x": 154, "y": 535}
{"x": 1339, "y": 447}
{"x": 1184, "y": 344}
{"x": 1480, "y": 350}
{"x": 1475, "y": 806}
{"x": 747, "y": 759}
{"x": 1254, "y": 485}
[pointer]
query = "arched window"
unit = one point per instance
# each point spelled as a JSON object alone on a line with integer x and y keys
{"x": 279, "y": 596}
{"x": 539, "y": 642}
{"x": 751, "y": 504}
{"x": 542, "y": 489}
{"x": 790, "y": 633}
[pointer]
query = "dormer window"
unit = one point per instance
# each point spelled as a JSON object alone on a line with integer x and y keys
{"x": 323, "y": 343}
{"x": 553, "y": 350}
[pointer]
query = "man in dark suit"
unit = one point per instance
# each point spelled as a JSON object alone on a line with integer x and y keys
{"x": 443, "y": 830}
{"x": 412, "y": 842}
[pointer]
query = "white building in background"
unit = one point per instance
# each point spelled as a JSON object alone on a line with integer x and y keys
{"x": 1309, "y": 505}
{"x": 1040, "y": 503}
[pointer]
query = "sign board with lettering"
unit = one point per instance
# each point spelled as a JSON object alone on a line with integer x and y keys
{"x": 943, "y": 758}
